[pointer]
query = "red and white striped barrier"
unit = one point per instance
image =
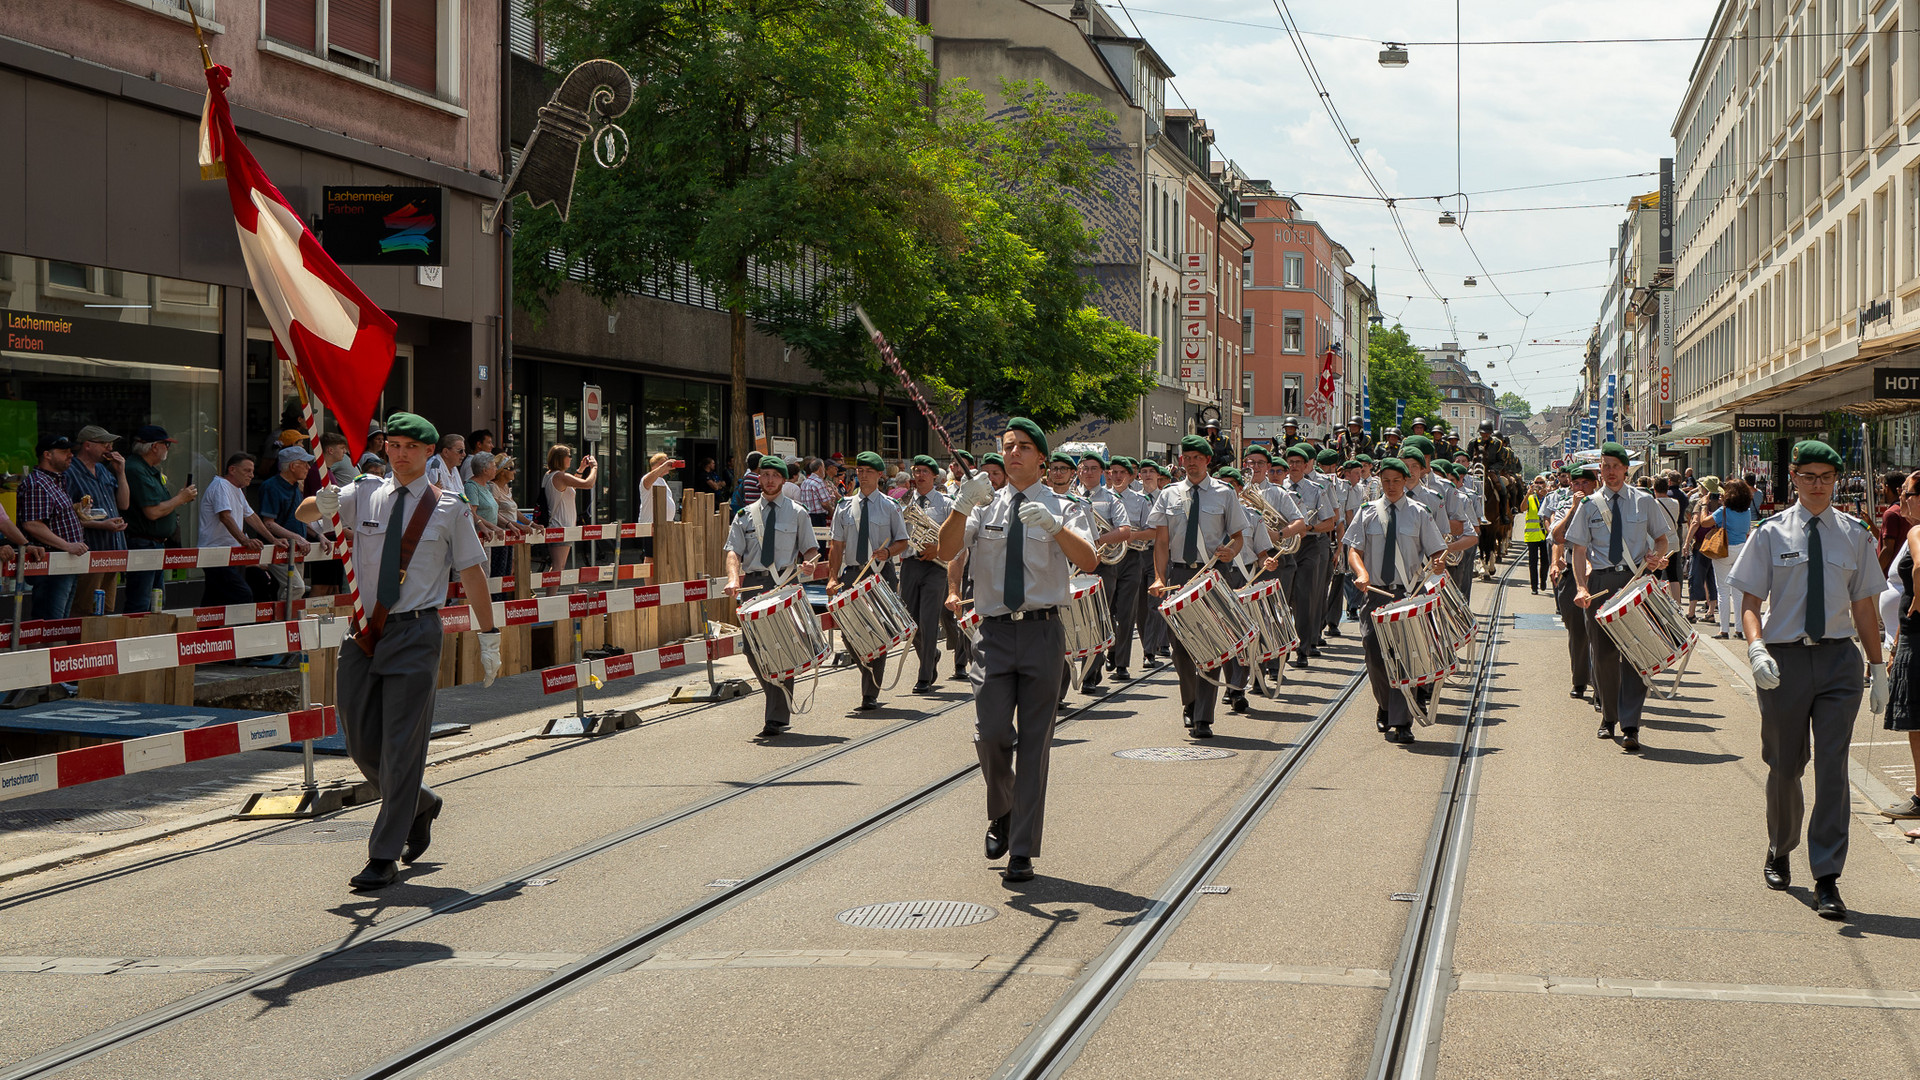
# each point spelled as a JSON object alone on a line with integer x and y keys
{"x": 555, "y": 680}
{"x": 541, "y": 609}
{"x": 30, "y": 776}
{"x": 71, "y": 663}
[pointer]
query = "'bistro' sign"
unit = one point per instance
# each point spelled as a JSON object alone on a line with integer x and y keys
{"x": 1756, "y": 421}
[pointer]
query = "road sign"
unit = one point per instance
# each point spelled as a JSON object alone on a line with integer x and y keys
{"x": 1639, "y": 438}
{"x": 1193, "y": 328}
{"x": 593, "y": 414}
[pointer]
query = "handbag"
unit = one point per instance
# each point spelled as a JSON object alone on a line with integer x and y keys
{"x": 1715, "y": 544}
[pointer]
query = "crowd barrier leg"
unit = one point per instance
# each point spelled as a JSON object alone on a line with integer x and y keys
{"x": 310, "y": 800}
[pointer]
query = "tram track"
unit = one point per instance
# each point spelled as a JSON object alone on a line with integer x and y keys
{"x": 130, "y": 1031}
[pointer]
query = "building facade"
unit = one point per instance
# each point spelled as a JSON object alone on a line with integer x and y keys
{"x": 1465, "y": 399}
{"x": 1295, "y": 312}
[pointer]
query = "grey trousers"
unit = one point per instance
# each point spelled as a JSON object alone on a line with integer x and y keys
{"x": 1811, "y": 713}
{"x": 777, "y": 708}
{"x": 1579, "y": 652}
{"x": 1334, "y": 603}
{"x": 1615, "y": 683}
{"x": 1016, "y": 674}
{"x": 923, "y": 588}
{"x": 1196, "y": 690}
{"x": 871, "y": 675}
{"x": 1387, "y": 697}
{"x": 386, "y": 711}
{"x": 1463, "y": 575}
{"x": 1310, "y": 600}
{"x": 1129, "y": 585}
{"x": 1154, "y": 635}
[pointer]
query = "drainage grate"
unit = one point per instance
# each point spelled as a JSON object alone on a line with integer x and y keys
{"x": 1173, "y": 753}
{"x": 320, "y": 832}
{"x": 1215, "y": 890}
{"x": 1404, "y": 897}
{"x": 916, "y": 915}
{"x": 71, "y": 819}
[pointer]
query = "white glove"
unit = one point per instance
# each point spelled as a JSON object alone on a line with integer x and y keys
{"x": 1879, "y": 690}
{"x": 489, "y": 656}
{"x": 328, "y": 500}
{"x": 975, "y": 491}
{"x": 1035, "y": 514}
{"x": 1766, "y": 673}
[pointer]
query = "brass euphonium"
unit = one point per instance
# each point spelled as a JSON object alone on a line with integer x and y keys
{"x": 1108, "y": 554}
{"x": 922, "y": 531}
{"x": 1252, "y": 500}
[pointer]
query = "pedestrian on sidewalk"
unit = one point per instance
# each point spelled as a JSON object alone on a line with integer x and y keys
{"x": 406, "y": 542}
{"x": 1818, "y": 572}
{"x": 280, "y": 497}
{"x": 227, "y": 521}
{"x": 1903, "y": 705}
{"x": 1701, "y": 580}
{"x": 47, "y": 516}
{"x": 1736, "y": 516}
{"x": 98, "y": 481}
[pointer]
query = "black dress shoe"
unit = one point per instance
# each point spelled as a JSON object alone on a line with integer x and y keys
{"x": 1776, "y": 872}
{"x": 1186, "y": 713}
{"x": 1577, "y": 692}
{"x": 1299, "y": 660}
{"x": 1203, "y": 731}
{"x": 420, "y": 837}
{"x": 958, "y": 676}
{"x": 1122, "y": 675}
{"x": 1605, "y": 732}
{"x": 923, "y": 688}
{"x": 1826, "y": 892}
{"x": 1400, "y": 735}
{"x": 1380, "y": 720}
{"x": 1630, "y": 742}
{"x": 867, "y": 705}
{"x": 997, "y": 836}
{"x": 1019, "y": 868}
{"x": 379, "y": 874}
{"x": 1333, "y": 631}
{"x": 1240, "y": 703}
{"x": 772, "y": 730}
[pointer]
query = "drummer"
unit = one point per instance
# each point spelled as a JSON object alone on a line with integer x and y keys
{"x": 1092, "y": 489}
{"x": 1024, "y": 543}
{"x": 1256, "y": 556}
{"x": 923, "y": 581}
{"x": 1260, "y": 476}
{"x": 1413, "y": 454}
{"x": 1130, "y": 574}
{"x": 1357, "y": 472}
{"x": 1612, "y": 536}
{"x": 868, "y": 532}
{"x": 1333, "y": 474}
{"x": 1558, "y": 511}
{"x": 1392, "y": 541}
{"x": 753, "y": 563}
{"x": 1459, "y": 523}
{"x": 1062, "y": 473}
{"x": 1196, "y": 522}
{"x": 1307, "y": 590}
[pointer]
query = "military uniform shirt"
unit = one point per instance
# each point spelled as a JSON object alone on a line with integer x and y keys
{"x": 449, "y": 542}
{"x": 1136, "y": 503}
{"x": 1555, "y": 504}
{"x": 884, "y": 526}
{"x": 1104, "y": 502}
{"x": 935, "y": 503}
{"x": 792, "y": 530}
{"x": 1316, "y": 502}
{"x": 1047, "y": 567}
{"x": 1416, "y": 536}
{"x": 1773, "y": 563}
{"x": 1453, "y": 506}
{"x": 1221, "y": 516}
{"x": 1280, "y": 499}
{"x": 1638, "y": 530}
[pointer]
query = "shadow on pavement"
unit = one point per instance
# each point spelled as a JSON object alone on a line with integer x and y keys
{"x": 791, "y": 738}
{"x": 1684, "y": 757}
{"x": 391, "y": 956}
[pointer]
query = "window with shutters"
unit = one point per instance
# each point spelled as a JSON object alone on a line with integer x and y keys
{"x": 397, "y": 41}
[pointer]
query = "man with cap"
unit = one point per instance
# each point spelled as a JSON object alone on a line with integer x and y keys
{"x": 1333, "y": 478}
{"x": 1558, "y": 510}
{"x": 1155, "y": 636}
{"x": 957, "y": 470}
{"x": 868, "y": 532}
{"x": 1259, "y": 482}
{"x": 1131, "y": 572}
{"x": 1818, "y": 573}
{"x": 1023, "y": 543}
{"x": 1448, "y": 506}
{"x": 1062, "y": 471}
{"x": 152, "y": 514}
{"x": 1389, "y": 544}
{"x": 1612, "y": 535}
{"x": 1197, "y": 522}
{"x": 765, "y": 543}
{"x": 1091, "y": 488}
{"x": 923, "y": 580}
{"x": 1353, "y": 472}
{"x": 280, "y": 500}
{"x": 1313, "y": 563}
{"x": 99, "y": 476}
{"x": 407, "y": 537}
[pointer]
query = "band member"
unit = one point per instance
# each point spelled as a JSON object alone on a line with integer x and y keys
{"x": 1357, "y": 473}
{"x": 956, "y": 472}
{"x": 1023, "y": 544}
{"x": 1389, "y": 543}
{"x": 1558, "y": 511}
{"x": 1249, "y": 562}
{"x": 1818, "y": 572}
{"x": 1449, "y": 515}
{"x": 1197, "y": 522}
{"x": 1155, "y": 637}
{"x": 1130, "y": 575}
{"x": 1611, "y": 535}
{"x": 1061, "y": 473}
{"x": 1334, "y": 478}
{"x": 1259, "y": 481}
{"x": 1092, "y": 489}
{"x": 1313, "y": 563}
{"x": 408, "y": 535}
{"x": 996, "y": 469}
{"x": 868, "y": 532}
{"x": 923, "y": 581}
{"x": 766, "y": 542}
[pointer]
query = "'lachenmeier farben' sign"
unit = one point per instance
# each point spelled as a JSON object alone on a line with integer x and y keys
{"x": 382, "y": 226}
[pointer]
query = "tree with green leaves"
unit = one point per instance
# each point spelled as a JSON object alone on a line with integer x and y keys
{"x": 1398, "y": 370}
{"x": 1511, "y": 402}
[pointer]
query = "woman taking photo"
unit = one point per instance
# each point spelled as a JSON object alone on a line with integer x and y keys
{"x": 1736, "y": 516}
{"x": 559, "y": 486}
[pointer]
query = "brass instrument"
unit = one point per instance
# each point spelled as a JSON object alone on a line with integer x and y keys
{"x": 1108, "y": 554}
{"x": 1252, "y": 500}
{"x": 923, "y": 533}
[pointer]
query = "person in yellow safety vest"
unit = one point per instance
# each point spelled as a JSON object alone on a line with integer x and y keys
{"x": 1538, "y": 560}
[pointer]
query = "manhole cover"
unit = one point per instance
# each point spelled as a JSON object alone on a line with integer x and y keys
{"x": 320, "y": 832}
{"x": 72, "y": 819}
{"x": 1173, "y": 753}
{"x": 916, "y": 915}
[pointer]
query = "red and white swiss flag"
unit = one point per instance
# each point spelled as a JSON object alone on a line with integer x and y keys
{"x": 340, "y": 341}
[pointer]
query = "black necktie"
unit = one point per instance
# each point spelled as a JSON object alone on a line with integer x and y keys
{"x": 389, "y": 591}
{"x": 1616, "y": 544}
{"x": 1015, "y": 586}
{"x": 769, "y": 537}
{"x": 1193, "y": 526}
{"x": 864, "y": 550}
{"x": 1387, "y": 576}
{"x": 1816, "y": 583}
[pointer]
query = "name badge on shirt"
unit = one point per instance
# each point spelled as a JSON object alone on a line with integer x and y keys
{"x": 1790, "y": 558}
{"x": 993, "y": 530}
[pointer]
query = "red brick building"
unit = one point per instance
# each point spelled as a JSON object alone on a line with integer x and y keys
{"x": 1293, "y": 311}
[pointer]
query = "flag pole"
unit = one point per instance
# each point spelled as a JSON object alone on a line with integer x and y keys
{"x": 913, "y": 390}
{"x": 342, "y": 542}
{"x": 206, "y": 57}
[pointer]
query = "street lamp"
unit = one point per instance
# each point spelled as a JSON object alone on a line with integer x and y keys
{"x": 1470, "y": 282}
{"x": 1394, "y": 55}
{"x": 1446, "y": 218}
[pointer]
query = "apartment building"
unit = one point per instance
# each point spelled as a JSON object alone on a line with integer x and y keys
{"x": 1295, "y": 312}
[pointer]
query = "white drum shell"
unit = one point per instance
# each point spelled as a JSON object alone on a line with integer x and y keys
{"x": 1415, "y": 641}
{"x": 871, "y": 617}
{"x": 1209, "y": 621}
{"x": 783, "y": 634}
{"x": 1089, "y": 618}
{"x": 1646, "y": 625}
{"x": 1267, "y": 607}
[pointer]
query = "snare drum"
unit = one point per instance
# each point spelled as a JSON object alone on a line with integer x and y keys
{"x": 1209, "y": 621}
{"x": 783, "y": 634}
{"x": 871, "y": 617}
{"x": 1415, "y": 643}
{"x": 1455, "y": 616}
{"x": 1646, "y": 625}
{"x": 1089, "y": 619}
{"x": 1267, "y": 607}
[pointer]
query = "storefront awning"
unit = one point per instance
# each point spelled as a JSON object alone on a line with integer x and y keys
{"x": 1693, "y": 429}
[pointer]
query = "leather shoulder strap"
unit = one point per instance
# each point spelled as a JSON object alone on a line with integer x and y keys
{"x": 416, "y": 526}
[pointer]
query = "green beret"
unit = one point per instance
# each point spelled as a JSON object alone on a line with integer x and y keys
{"x": 1409, "y": 452}
{"x": 1619, "y": 453}
{"x": 1063, "y": 457}
{"x": 1363, "y": 459}
{"x": 1195, "y": 442}
{"x": 1579, "y": 472}
{"x": 923, "y": 459}
{"x": 1562, "y": 470}
{"x": 1815, "y": 452}
{"x": 1459, "y": 453}
{"x": 871, "y": 460}
{"x": 408, "y": 426}
{"x": 994, "y": 459}
{"x": 1031, "y": 430}
{"x": 1354, "y": 463}
{"x": 1257, "y": 448}
{"x": 1228, "y": 472}
{"x": 1163, "y": 469}
{"x": 1301, "y": 451}
{"x": 963, "y": 456}
{"x": 773, "y": 463}
{"x": 1392, "y": 465}
{"x": 1328, "y": 456}
{"x": 1424, "y": 444}
{"x": 1125, "y": 462}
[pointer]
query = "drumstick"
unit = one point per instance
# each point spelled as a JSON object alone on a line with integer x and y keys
{"x": 1382, "y": 592}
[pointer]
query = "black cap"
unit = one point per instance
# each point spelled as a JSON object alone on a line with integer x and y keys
{"x": 151, "y": 433}
{"x": 52, "y": 442}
